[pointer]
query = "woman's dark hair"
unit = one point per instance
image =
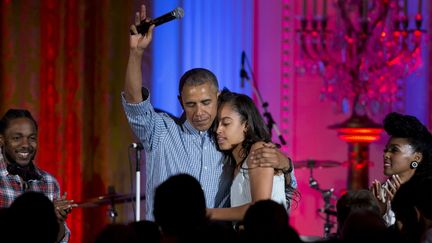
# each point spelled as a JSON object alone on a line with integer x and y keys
{"x": 418, "y": 136}
{"x": 256, "y": 129}
{"x": 13, "y": 114}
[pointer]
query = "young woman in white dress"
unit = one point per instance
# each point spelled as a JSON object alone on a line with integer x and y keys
{"x": 240, "y": 130}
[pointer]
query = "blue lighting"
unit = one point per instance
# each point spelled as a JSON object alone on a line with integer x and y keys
{"x": 212, "y": 35}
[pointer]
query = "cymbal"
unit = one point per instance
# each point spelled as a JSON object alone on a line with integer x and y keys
{"x": 108, "y": 199}
{"x": 312, "y": 163}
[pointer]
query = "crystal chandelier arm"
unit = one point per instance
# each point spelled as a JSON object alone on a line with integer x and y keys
{"x": 383, "y": 12}
{"x": 312, "y": 55}
{"x": 349, "y": 26}
{"x": 395, "y": 59}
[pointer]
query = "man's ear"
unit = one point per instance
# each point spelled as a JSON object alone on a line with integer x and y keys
{"x": 180, "y": 100}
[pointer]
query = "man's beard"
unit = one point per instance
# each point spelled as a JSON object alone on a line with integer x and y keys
{"x": 27, "y": 172}
{"x": 11, "y": 160}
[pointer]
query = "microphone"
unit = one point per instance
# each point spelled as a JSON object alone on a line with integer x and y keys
{"x": 243, "y": 73}
{"x": 143, "y": 27}
{"x": 137, "y": 146}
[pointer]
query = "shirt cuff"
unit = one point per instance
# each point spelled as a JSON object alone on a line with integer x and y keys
{"x": 138, "y": 108}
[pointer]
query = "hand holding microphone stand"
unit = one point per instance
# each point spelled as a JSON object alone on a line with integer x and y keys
{"x": 271, "y": 124}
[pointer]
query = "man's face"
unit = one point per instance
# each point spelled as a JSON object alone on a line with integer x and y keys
{"x": 19, "y": 141}
{"x": 200, "y": 104}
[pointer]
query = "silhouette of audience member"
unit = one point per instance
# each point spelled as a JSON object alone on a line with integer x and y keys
{"x": 146, "y": 231}
{"x": 423, "y": 205}
{"x": 3, "y": 221}
{"x": 412, "y": 206}
{"x": 364, "y": 225}
{"x": 179, "y": 207}
{"x": 352, "y": 201}
{"x": 117, "y": 233}
{"x": 359, "y": 219}
{"x": 32, "y": 218}
{"x": 267, "y": 221}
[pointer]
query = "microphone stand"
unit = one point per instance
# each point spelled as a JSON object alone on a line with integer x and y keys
{"x": 138, "y": 184}
{"x": 271, "y": 124}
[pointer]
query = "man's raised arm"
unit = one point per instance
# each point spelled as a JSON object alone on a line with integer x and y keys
{"x": 137, "y": 44}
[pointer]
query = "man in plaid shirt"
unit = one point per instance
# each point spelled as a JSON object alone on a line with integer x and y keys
{"x": 18, "y": 174}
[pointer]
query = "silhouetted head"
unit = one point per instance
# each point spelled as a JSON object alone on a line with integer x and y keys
{"x": 32, "y": 219}
{"x": 267, "y": 221}
{"x": 117, "y": 233}
{"x": 412, "y": 207}
{"x": 146, "y": 231}
{"x": 179, "y": 205}
{"x": 355, "y": 200}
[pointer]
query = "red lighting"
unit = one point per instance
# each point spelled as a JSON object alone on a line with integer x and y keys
{"x": 361, "y": 166}
{"x": 417, "y": 33}
{"x": 360, "y": 135}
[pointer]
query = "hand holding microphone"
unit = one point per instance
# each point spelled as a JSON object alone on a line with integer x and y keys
{"x": 143, "y": 25}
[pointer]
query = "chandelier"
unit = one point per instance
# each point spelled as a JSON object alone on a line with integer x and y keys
{"x": 364, "y": 54}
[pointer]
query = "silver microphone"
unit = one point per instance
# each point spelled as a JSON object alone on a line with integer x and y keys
{"x": 137, "y": 146}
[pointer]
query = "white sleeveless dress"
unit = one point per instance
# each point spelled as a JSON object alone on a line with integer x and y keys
{"x": 241, "y": 192}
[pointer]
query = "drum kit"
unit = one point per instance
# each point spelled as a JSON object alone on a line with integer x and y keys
{"x": 327, "y": 194}
{"x": 113, "y": 198}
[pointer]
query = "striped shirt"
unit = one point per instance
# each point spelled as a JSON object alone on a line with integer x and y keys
{"x": 172, "y": 148}
{"x": 11, "y": 187}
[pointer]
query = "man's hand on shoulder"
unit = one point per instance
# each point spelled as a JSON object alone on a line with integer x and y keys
{"x": 268, "y": 155}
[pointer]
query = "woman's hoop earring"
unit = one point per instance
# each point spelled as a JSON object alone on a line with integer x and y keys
{"x": 414, "y": 164}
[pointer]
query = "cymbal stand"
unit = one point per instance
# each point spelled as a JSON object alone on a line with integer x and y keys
{"x": 327, "y": 194}
{"x": 112, "y": 212}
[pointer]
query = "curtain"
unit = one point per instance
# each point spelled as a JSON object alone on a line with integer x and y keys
{"x": 65, "y": 61}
